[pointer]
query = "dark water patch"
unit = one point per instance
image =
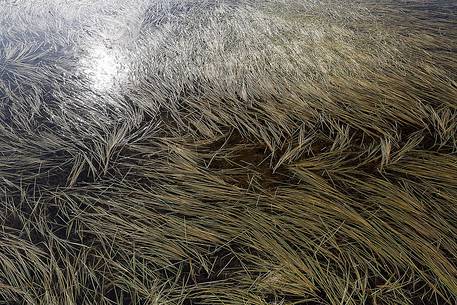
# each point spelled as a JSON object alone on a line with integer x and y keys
{"x": 119, "y": 296}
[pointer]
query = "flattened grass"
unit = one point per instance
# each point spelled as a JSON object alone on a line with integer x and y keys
{"x": 259, "y": 152}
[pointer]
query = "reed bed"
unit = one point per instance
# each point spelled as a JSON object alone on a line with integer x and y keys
{"x": 228, "y": 152}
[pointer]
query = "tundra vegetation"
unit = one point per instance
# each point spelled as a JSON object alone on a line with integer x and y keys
{"x": 228, "y": 152}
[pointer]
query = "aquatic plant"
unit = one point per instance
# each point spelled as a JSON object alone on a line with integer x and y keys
{"x": 228, "y": 152}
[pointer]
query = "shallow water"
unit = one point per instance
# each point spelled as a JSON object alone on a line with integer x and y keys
{"x": 66, "y": 42}
{"x": 85, "y": 57}
{"x": 262, "y": 148}
{"x": 98, "y": 41}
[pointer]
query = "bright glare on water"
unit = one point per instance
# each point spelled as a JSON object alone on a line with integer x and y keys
{"x": 105, "y": 67}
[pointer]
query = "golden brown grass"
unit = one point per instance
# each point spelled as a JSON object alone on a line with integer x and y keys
{"x": 259, "y": 152}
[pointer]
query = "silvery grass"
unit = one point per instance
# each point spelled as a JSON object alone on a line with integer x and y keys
{"x": 228, "y": 152}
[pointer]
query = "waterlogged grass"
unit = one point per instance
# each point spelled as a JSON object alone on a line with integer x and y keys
{"x": 228, "y": 152}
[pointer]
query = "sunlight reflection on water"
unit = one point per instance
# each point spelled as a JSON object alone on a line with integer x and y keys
{"x": 106, "y": 67}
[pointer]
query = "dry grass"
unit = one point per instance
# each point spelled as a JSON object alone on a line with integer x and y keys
{"x": 228, "y": 152}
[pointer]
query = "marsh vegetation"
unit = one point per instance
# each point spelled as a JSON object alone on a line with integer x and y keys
{"x": 228, "y": 152}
